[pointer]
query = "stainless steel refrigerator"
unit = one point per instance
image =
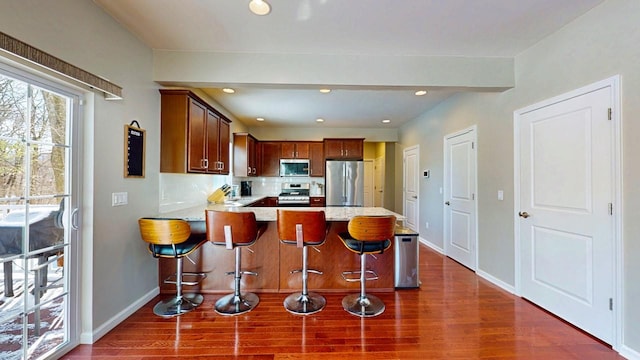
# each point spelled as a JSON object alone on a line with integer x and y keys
{"x": 344, "y": 183}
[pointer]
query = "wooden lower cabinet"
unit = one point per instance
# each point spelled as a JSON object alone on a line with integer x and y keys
{"x": 271, "y": 201}
{"x": 316, "y": 201}
{"x": 273, "y": 261}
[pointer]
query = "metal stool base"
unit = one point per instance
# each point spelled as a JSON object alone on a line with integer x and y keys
{"x": 367, "y": 306}
{"x": 235, "y": 305}
{"x": 178, "y": 305}
{"x": 299, "y": 304}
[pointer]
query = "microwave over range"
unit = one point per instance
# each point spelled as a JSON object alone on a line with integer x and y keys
{"x": 294, "y": 167}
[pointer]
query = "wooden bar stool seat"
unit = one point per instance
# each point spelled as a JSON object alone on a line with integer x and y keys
{"x": 234, "y": 230}
{"x": 172, "y": 238}
{"x": 303, "y": 229}
{"x": 366, "y": 235}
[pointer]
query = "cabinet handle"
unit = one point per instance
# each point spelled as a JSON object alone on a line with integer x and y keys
{"x": 249, "y": 170}
{"x": 254, "y": 171}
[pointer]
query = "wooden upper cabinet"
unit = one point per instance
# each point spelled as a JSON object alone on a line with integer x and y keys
{"x": 316, "y": 159}
{"x": 270, "y": 158}
{"x": 294, "y": 150}
{"x": 218, "y": 144}
{"x": 347, "y": 149}
{"x": 245, "y": 155}
{"x": 194, "y": 138}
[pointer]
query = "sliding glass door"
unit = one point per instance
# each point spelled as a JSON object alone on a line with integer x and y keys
{"x": 39, "y": 178}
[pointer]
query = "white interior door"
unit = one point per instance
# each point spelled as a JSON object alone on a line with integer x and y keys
{"x": 368, "y": 183}
{"x": 566, "y": 222}
{"x": 378, "y": 182}
{"x": 411, "y": 162}
{"x": 459, "y": 197}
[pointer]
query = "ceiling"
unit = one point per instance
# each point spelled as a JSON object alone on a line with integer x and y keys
{"x": 407, "y": 28}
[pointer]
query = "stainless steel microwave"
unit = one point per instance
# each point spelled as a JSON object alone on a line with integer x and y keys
{"x": 294, "y": 167}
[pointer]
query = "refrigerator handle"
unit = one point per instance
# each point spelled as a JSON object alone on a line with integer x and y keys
{"x": 344, "y": 183}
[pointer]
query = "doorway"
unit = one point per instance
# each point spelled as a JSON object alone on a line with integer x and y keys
{"x": 567, "y": 206}
{"x": 460, "y": 203}
{"x": 39, "y": 220}
{"x": 378, "y": 196}
{"x": 368, "y": 183}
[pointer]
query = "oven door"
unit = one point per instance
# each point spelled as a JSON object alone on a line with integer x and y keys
{"x": 294, "y": 167}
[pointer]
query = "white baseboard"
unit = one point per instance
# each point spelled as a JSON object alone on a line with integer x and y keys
{"x": 629, "y": 353}
{"x": 496, "y": 281}
{"x": 91, "y": 337}
{"x": 431, "y": 245}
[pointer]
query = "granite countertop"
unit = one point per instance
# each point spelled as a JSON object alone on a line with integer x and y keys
{"x": 196, "y": 213}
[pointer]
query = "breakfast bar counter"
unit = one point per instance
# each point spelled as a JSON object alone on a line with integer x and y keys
{"x": 274, "y": 261}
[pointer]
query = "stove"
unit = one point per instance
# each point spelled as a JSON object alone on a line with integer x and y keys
{"x": 294, "y": 194}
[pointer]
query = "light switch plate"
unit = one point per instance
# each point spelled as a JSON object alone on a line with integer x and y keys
{"x": 119, "y": 198}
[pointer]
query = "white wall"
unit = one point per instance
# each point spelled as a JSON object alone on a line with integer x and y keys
{"x": 596, "y": 46}
{"x": 120, "y": 272}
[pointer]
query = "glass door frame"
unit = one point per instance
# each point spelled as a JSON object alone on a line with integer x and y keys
{"x": 72, "y": 195}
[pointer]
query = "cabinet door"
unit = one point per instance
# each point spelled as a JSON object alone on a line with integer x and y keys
{"x": 270, "y": 158}
{"x": 288, "y": 150}
{"x": 316, "y": 201}
{"x": 333, "y": 149}
{"x": 251, "y": 156}
{"x": 224, "y": 141}
{"x": 353, "y": 149}
{"x": 212, "y": 145}
{"x": 302, "y": 150}
{"x": 197, "y": 136}
{"x": 316, "y": 159}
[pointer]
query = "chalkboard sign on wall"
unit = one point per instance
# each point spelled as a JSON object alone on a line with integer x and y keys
{"x": 134, "y": 150}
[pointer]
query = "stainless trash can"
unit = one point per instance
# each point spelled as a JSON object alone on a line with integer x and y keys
{"x": 406, "y": 258}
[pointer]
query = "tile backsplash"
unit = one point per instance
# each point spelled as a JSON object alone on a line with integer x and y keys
{"x": 271, "y": 186}
{"x": 182, "y": 191}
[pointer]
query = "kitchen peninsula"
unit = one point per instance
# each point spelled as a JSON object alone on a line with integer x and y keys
{"x": 274, "y": 261}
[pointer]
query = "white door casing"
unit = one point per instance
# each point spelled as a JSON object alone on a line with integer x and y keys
{"x": 411, "y": 161}
{"x": 460, "y": 205}
{"x": 565, "y": 224}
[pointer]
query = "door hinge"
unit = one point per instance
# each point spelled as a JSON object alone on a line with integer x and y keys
{"x": 473, "y": 196}
{"x": 609, "y": 114}
{"x": 611, "y": 304}
{"x": 610, "y": 208}
{"x": 473, "y": 144}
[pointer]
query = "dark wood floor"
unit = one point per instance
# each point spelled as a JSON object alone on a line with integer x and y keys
{"x": 454, "y": 315}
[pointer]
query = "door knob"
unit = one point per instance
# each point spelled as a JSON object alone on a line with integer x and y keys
{"x": 524, "y": 214}
{"x": 415, "y": 197}
{"x": 447, "y": 203}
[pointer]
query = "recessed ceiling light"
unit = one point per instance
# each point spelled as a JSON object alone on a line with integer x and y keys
{"x": 260, "y": 119}
{"x": 421, "y": 92}
{"x": 386, "y": 121}
{"x": 259, "y": 7}
{"x": 228, "y": 90}
{"x": 325, "y": 91}
{"x": 319, "y": 120}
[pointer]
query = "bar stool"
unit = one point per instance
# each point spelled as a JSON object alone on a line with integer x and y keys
{"x": 303, "y": 229}
{"x": 234, "y": 230}
{"x": 172, "y": 238}
{"x": 366, "y": 235}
